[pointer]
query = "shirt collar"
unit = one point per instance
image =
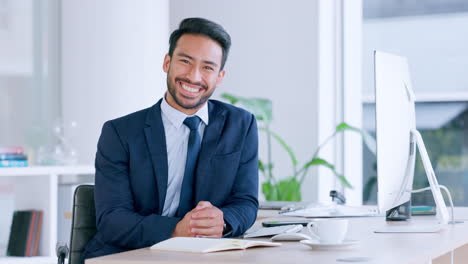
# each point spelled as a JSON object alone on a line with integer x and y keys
{"x": 177, "y": 118}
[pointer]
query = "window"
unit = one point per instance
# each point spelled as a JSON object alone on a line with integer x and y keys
{"x": 430, "y": 34}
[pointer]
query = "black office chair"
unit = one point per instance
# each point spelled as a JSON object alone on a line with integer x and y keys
{"x": 83, "y": 223}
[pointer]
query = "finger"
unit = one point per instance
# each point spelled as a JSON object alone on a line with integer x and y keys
{"x": 212, "y": 236}
{"x": 203, "y": 205}
{"x": 211, "y": 231}
{"x": 206, "y": 213}
{"x": 205, "y": 223}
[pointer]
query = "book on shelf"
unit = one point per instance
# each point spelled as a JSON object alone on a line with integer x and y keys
{"x": 11, "y": 150}
{"x": 13, "y": 163}
{"x": 10, "y": 156}
{"x": 7, "y": 207}
{"x": 25, "y": 233}
{"x": 13, "y": 157}
{"x": 206, "y": 245}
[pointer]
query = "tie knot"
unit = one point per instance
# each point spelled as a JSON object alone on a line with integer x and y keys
{"x": 192, "y": 122}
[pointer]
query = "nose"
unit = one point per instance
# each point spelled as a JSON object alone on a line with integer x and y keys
{"x": 194, "y": 75}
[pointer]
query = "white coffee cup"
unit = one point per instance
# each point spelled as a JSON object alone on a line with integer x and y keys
{"x": 328, "y": 230}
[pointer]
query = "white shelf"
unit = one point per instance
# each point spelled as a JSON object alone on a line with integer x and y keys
{"x": 36, "y": 187}
{"x": 28, "y": 260}
{"x": 47, "y": 170}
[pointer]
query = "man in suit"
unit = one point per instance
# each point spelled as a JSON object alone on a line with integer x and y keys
{"x": 186, "y": 166}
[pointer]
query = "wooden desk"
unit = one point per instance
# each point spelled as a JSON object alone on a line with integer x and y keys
{"x": 380, "y": 248}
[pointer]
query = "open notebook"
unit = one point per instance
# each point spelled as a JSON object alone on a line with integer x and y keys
{"x": 206, "y": 245}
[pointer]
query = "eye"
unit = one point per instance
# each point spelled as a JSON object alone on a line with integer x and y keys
{"x": 208, "y": 68}
{"x": 185, "y": 61}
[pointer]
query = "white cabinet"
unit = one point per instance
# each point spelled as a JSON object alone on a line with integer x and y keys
{"x": 36, "y": 187}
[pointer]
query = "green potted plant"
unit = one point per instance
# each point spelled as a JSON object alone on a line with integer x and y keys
{"x": 289, "y": 188}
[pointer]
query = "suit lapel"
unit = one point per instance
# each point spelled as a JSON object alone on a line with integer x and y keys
{"x": 209, "y": 143}
{"x": 156, "y": 140}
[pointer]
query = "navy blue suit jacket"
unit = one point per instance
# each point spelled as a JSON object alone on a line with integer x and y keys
{"x": 131, "y": 177}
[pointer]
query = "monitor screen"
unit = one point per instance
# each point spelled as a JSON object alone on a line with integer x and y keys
{"x": 395, "y": 121}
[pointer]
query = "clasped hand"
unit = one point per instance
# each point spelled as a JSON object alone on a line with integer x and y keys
{"x": 205, "y": 220}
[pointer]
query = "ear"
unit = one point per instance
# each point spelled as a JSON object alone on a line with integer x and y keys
{"x": 220, "y": 77}
{"x": 166, "y": 63}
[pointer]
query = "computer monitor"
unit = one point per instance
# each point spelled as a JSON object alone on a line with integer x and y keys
{"x": 398, "y": 140}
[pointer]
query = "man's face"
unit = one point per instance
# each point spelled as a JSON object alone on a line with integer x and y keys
{"x": 193, "y": 72}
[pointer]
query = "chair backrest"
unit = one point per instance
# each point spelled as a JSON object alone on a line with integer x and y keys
{"x": 83, "y": 222}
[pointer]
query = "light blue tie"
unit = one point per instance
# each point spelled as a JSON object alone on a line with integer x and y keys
{"x": 193, "y": 149}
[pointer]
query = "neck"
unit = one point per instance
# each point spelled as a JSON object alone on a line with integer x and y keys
{"x": 176, "y": 106}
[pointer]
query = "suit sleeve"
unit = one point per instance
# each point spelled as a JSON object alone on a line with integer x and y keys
{"x": 116, "y": 219}
{"x": 240, "y": 210}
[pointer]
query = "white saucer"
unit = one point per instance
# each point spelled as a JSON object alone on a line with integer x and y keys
{"x": 315, "y": 244}
{"x": 290, "y": 237}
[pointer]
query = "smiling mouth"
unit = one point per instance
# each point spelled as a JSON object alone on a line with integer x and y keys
{"x": 190, "y": 89}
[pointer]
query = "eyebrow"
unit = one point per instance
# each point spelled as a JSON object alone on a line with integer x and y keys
{"x": 190, "y": 57}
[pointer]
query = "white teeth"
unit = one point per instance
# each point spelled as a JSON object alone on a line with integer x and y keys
{"x": 190, "y": 89}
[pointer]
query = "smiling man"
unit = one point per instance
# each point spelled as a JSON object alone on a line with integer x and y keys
{"x": 186, "y": 166}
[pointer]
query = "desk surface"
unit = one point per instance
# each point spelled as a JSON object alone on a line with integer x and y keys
{"x": 379, "y": 248}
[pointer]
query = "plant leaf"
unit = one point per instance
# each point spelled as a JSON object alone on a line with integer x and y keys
{"x": 260, "y": 166}
{"x": 289, "y": 189}
{"x": 283, "y": 144}
{"x": 269, "y": 166}
{"x": 260, "y": 107}
{"x": 343, "y": 180}
{"x": 231, "y": 98}
{"x": 319, "y": 161}
{"x": 344, "y": 126}
{"x": 366, "y": 137}
{"x": 270, "y": 191}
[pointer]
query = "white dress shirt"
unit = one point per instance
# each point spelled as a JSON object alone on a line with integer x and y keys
{"x": 176, "y": 143}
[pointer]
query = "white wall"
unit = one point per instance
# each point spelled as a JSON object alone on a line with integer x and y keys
{"x": 273, "y": 55}
{"x": 112, "y": 54}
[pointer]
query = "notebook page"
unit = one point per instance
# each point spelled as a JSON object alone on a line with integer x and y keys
{"x": 205, "y": 245}
{"x": 196, "y": 245}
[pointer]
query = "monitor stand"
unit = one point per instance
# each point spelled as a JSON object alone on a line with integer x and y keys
{"x": 399, "y": 213}
{"x": 403, "y": 212}
{"x": 442, "y": 211}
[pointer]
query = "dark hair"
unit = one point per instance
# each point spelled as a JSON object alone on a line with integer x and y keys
{"x": 203, "y": 27}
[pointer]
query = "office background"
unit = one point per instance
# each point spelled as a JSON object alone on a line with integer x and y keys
{"x": 71, "y": 65}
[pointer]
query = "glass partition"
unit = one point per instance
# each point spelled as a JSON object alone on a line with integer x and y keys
{"x": 29, "y": 79}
